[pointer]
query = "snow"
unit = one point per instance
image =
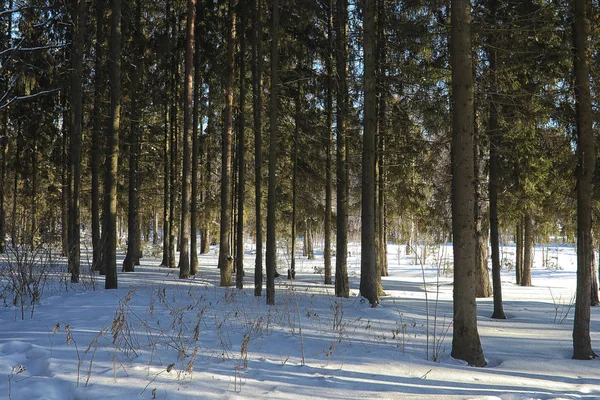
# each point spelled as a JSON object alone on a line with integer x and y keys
{"x": 158, "y": 337}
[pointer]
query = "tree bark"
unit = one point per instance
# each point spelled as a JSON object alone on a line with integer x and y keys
{"x": 465, "y": 339}
{"x": 369, "y": 269}
{"x": 241, "y": 188}
{"x": 225, "y": 262}
{"x": 196, "y": 140}
{"x": 586, "y": 154}
{"x": 79, "y": 11}
{"x": 528, "y": 241}
{"x": 329, "y": 139}
{"x": 519, "y": 251}
{"x": 97, "y": 128}
{"x": 342, "y": 287}
{"x": 271, "y": 251}
{"x": 186, "y": 186}
{"x": 112, "y": 156}
{"x": 494, "y": 136}
{"x": 133, "y": 218}
{"x": 257, "y": 70}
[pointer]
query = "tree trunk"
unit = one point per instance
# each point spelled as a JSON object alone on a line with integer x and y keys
{"x": 79, "y": 6}
{"x": 97, "y": 129}
{"x": 369, "y": 269}
{"x": 225, "y": 262}
{"x": 494, "y": 136}
{"x": 328, "y": 138}
{"x": 257, "y": 70}
{"x": 528, "y": 242}
{"x": 519, "y": 251}
{"x": 381, "y": 136}
{"x": 196, "y": 141}
{"x": 186, "y": 184}
{"x": 133, "y": 219}
{"x": 4, "y": 151}
{"x": 342, "y": 287}
{"x": 271, "y": 253}
{"x": 465, "y": 339}
{"x": 483, "y": 288}
{"x": 241, "y": 188}
{"x": 582, "y": 343}
{"x": 292, "y": 270}
{"x": 112, "y": 156}
{"x": 594, "y": 299}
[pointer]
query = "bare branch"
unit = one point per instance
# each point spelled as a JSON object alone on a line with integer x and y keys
{"x": 30, "y": 96}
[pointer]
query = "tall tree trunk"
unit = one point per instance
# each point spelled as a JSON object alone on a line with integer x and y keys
{"x": 196, "y": 141}
{"x": 382, "y": 132}
{"x": 257, "y": 70}
{"x": 241, "y": 188}
{"x": 186, "y": 184}
{"x": 342, "y": 287}
{"x": 133, "y": 218}
{"x": 369, "y": 269}
{"x": 97, "y": 129}
{"x": 582, "y": 343}
{"x": 79, "y": 6}
{"x": 494, "y": 136}
{"x": 271, "y": 253}
{"x": 167, "y": 221}
{"x": 528, "y": 241}
{"x": 112, "y": 156}
{"x": 292, "y": 271}
{"x": 328, "y": 138}
{"x": 465, "y": 339}
{"x": 225, "y": 262}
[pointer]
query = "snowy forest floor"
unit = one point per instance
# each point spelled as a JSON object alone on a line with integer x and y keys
{"x": 158, "y": 337}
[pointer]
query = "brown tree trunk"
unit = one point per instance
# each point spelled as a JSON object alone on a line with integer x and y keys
{"x": 494, "y": 136}
{"x": 241, "y": 188}
{"x": 271, "y": 251}
{"x": 582, "y": 343}
{"x": 369, "y": 269}
{"x": 112, "y": 155}
{"x": 257, "y": 69}
{"x": 133, "y": 218}
{"x": 97, "y": 129}
{"x": 328, "y": 138}
{"x": 342, "y": 287}
{"x": 465, "y": 339}
{"x": 196, "y": 141}
{"x": 186, "y": 184}
{"x": 528, "y": 242}
{"x": 225, "y": 261}
{"x": 519, "y": 251}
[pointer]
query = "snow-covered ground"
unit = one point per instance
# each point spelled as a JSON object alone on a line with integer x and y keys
{"x": 158, "y": 337}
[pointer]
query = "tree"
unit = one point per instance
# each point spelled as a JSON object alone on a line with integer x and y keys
{"x": 586, "y": 156}
{"x": 241, "y": 188}
{"x": 112, "y": 150}
{"x": 257, "y": 70}
{"x": 133, "y": 217}
{"x": 369, "y": 269}
{"x": 494, "y": 133}
{"x": 465, "y": 340}
{"x": 329, "y": 139}
{"x": 342, "y": 287}
{"x": 75, "y": 142}
{"x": 188, "y": 97}
{"x": 271, "y": 245}
{"x": 225, "y": 261}
{"x": 97, "y": 125}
